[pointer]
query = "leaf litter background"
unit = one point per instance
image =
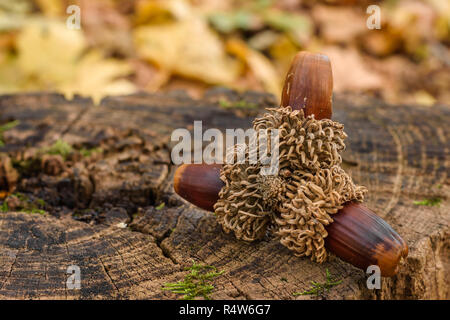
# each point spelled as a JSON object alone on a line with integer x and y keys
{"x": 129, "y": 45}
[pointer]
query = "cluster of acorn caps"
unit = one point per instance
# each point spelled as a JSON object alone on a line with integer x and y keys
{"x": 356, "y": 235}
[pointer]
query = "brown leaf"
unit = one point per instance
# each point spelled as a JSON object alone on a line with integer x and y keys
{"x": 339, "y": 24}
{"x": 188, "y": 48}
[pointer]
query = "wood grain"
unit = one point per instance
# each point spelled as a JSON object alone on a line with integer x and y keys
{"x": 400, "y": 153}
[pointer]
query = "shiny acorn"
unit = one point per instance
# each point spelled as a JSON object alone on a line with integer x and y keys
{"x": 357, "y": 235}
{"x": 309, "y": 82}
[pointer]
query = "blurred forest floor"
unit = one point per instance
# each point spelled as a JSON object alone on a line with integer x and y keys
{"x": 125, "y": 46}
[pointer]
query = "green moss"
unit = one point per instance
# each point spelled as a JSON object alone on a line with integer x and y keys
{"x": 5, "y": 127}
{"x": 320, "y": 288}
{"x": 89, "y": 152}
{"x": 36, "y": 210}
{"x": 60, "y": 147}
{"x": 160, "y": 206}
{"x": 20, "y": 196}
{"x": 429, "y": 202}
{"x": 4, "y": 207}
{"x": 41, "y": 202}
{"x": 195, "y": 284}
{"x": 26, "y": 205}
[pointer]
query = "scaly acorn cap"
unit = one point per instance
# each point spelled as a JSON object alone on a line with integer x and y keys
{"x": 357, "y": 235}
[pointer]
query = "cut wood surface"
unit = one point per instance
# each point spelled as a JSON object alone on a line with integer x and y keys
{"x": 401, "y": 153}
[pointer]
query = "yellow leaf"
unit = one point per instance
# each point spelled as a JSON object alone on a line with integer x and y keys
{"x": 11, "y": 79}
{"x": 282, "y": 52}
{"x": 51, "y": 8}
{"x": 96, "y": 77}
{"x": 424, "y": 98}
{"x": 188, "y": 48}
{"x": 161, "y": 11}
{"x": 260, "y": 66}
{"x": 48, "y": 51}
{"x": 51, "y": 57}
{"x": 16, "y": 6}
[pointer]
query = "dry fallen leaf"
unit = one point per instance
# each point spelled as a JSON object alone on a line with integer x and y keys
{"x": 350, "y": 72}
{"x": 424, "y": 98}
{"x": 47, "y": 51}
{"x": 228, "y": 22}
{"x": 11, "y": 77}
{"x": 38, "y": 52}
{"x": 282, "y": 52}
{"x": 260, "y": 66}
{"x": 104, "y": 27}
{"x": 339, "y": 25}
{"x": 51, "y": 8}
{"x": 382, "y": 42}
{"x": 298, "y": 26}
{"x": 161, "y": 11}
{"x": 100, "y": 82}
{"x": 52, "y": 57}
{"x": 188, "y": 48}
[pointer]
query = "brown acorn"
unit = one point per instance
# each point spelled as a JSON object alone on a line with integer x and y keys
{"x": 309, "y": 82}
{"x": 198, "y": 184}
{"x": 357, "y": 235}
{"x": 362, "y": 238}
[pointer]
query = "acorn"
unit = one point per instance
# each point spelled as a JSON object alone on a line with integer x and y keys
{"x": 356, "y": 235}
{"x": 199, "y": 184}
{"x": 309, "y": 82}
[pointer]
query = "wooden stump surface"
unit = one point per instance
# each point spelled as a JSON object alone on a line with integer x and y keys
{"x": 401, "y": 153}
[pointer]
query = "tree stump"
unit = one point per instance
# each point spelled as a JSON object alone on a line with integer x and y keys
{"x": 104, "y": 213}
